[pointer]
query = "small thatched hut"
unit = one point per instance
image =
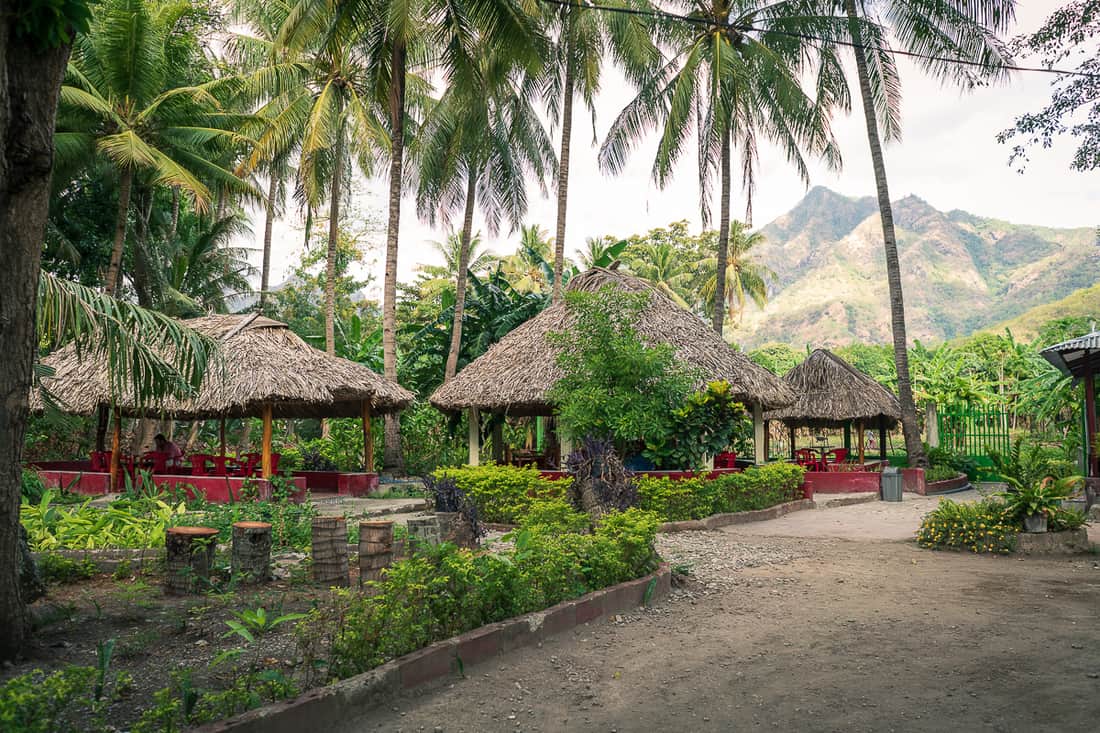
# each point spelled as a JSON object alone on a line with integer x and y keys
{"x": 514, "y": 375}
{"x": 262, "y": 369}
{"x": 831, "y": 393}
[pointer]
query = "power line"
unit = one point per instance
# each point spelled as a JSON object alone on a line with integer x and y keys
{"x": 664, "y": 15}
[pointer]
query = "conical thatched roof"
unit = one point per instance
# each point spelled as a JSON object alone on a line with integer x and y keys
{"x": 831, "y": 392}
{"x": 515, "y": 374}
{"x": 260, "y": 361}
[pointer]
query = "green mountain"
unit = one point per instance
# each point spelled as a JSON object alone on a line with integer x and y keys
{"x": 961, "y": 273}
{"x": 1083, "y": 303}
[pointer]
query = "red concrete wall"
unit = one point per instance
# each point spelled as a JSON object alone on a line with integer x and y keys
{"x": 213, "y": 488}
{"x": 912, "y": 480}
{"x": 356, "y": 484}
{"x": 840, "y": 482}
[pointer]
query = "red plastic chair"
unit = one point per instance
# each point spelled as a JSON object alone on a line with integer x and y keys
{"x": 101, "y": 461}
{"x": 247, "y": 467}
{"x": 156, "y": 461}
{"x": 808, "y": 459}
{"x": 836, "y": 455}
{"x": 726, "y": 459}
{"x": 201, "y": 464}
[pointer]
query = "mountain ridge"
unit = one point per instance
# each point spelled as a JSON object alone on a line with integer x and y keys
{"x": 961, "y": 272}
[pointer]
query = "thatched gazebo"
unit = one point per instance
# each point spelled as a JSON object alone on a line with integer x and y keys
{"x": 515, "y": 374}
{"x": 831, "y": 393}
{"x": 1080, "y": 358}
{"x": 262, "y": 369}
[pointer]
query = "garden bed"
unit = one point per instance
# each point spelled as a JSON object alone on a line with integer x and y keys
{"x": 947, "y": 485}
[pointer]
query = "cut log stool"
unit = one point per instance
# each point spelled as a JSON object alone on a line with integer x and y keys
{"x": 251, "y": 552}
{"x": 190, "y": 555}
{"x": 423, "y": 530}
{"x": 330, "y": 550}
{"x": 375, "y": 549}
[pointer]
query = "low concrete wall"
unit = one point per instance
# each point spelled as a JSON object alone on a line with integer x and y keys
{"x": 1069, "y": 542}
{"x": 723, "y": 520}
{"x": 335, "y": 704}
{"x": 841, "y": 482}
{"x": 951, "y": 484}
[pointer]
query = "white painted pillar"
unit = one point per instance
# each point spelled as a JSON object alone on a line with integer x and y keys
{"x": 758, "y": 433}
{"x": 931, "y": 426}
{"x": 475, "y": 437}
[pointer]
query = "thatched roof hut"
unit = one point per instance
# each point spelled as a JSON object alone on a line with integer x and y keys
{"x": 831, "y": 393}
{"x": 514, "y": 375}
{"x": 260, "y": 362}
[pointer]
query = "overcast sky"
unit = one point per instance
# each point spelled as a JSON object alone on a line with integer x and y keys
{"x": 948, "y": 156}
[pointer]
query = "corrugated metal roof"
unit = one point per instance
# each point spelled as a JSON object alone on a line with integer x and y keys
{"x": 1071, "y": 357}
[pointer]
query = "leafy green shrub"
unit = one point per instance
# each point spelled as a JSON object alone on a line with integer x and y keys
{"x": 940, "y": 473}
{"x": 442, "y": 591}
{"x": 697, "y": 498}
{"x": 291, "y": 524}
{"x": 68, "y": 700}
{"x": 1041, "y": 497}
{"x": 947, "y": 458}
{"x": 1061, "y": 520}
{"x": 703, "y": 426}
{"x": 979, "y": 526}
{"x": 126, "y": 523}
{"x": 32, "y": 486}
{"x": 60, "y": 569}
{"x": 503, "y": 493}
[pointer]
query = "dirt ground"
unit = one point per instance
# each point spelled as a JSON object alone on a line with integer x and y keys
{"x": 806, "y": 634}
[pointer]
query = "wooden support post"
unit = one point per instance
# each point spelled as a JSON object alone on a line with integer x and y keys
{"x": 882, "y": 438}
{"x": 251, "y": 559}
{"x": 758, "y": 434}
{"x": 1090, "y": 418}
{"x": 498, "y": 439}
{"x": 791, "y": 428}
{"x": 330, "y": 550}
{"x": 190, "y": 553}
{"x": 116, "y": 446}
{"x": 368, "y": 439}
{"x": 931, "y": 425}
{"x": 375, "y": 550}
{"x": 221, "y": 436}
{"x": 848, "y": 437}
{"x": 859, "y": 437}
{"x": 767, "y": 438}
{"x": 265, "y": 462}
{"x": 474, "y": 438}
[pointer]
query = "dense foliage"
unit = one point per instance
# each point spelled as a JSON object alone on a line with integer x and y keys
{"x": 504, "y": 493}
{"x": 443, "y": 591}
{"x": 698, "y": 498}
{"x": 979, "y": 526}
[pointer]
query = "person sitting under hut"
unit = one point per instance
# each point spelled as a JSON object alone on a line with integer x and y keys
{"x": 175, "y": 455}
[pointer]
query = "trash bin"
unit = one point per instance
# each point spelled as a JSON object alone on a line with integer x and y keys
{"x": 890, "y": 484}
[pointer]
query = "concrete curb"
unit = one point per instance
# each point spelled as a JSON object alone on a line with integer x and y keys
{"x": 327, "y": 707}
{"x": 722, "y": 520}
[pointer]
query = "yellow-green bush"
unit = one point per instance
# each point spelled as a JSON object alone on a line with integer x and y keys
{"x": 504, "y": 493}
{"x": 697, "y": 498}
{"x": 978, "y": 526}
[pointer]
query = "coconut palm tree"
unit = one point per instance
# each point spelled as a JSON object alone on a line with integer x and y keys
{"x": 658, "y": 263}
{"x": 126, "y": 99}
{"x": 477, "y": 147}
{"x": 583, "y": 38}
{"x": 318, "y": 100}
{"x": 529, "y": 269}
{"x": 935, "y": 30}
{"x": 743, "y": 276}
{"x": 734, "y": 79}
{"x": 451, "y": 249}
{"x": 394, "y": 37}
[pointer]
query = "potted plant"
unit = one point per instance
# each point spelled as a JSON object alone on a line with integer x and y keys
{"x": 1033, "y": 503}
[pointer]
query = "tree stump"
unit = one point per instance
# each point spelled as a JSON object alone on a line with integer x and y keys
{"x": 423, "y": 530}
{"x": 454, "y": 528}
{"x": 330, "y": 550}
{"x": 251, "y": 552}
{"x": 375, "y": 550}
{"x": 190, "y": 555}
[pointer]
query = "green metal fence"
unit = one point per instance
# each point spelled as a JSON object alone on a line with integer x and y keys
{"x": 973, "y": 431}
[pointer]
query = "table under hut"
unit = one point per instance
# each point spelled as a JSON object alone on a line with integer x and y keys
{"x": 259, "y": 368}
{"x": 512, "y": 379}
{"x": 832, "y": 394}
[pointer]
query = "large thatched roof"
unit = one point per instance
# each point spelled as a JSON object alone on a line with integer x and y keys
{"x": 830, "y": 392}
{"x": 515, "y": 374}
{"x": 260, "y": 361}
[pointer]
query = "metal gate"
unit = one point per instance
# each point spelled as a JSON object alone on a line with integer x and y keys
{"x": 973, "y": 430}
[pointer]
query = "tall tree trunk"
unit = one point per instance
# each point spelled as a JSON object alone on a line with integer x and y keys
{"x": 269, "y": 221}
{"x": 723, "y": 239}
{"x": 30, "y": 80}
{"x": 125, "y": 181}
{"x": 460, "y": 279}
{"x": 563, "y": 171}
{"x": 893, "y": 269}
{"x": 175, "y": 213}
{"x": 330, "y": 260}
{"x": 142, "y": 274}
{"x": 392, "y": 460}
